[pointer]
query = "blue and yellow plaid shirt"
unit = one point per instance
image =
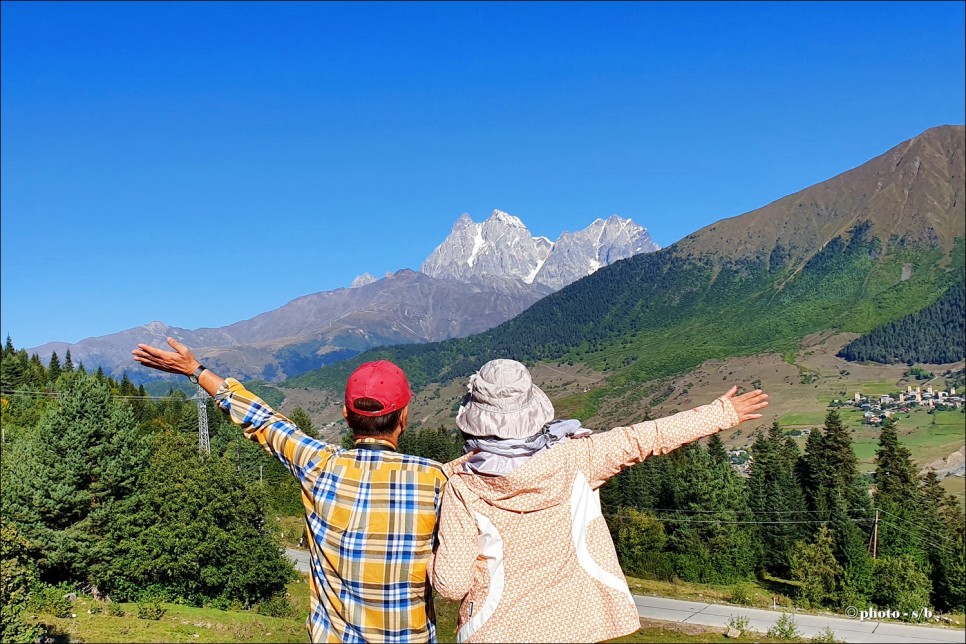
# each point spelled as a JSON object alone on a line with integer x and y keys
{"x": 371, "y": 513}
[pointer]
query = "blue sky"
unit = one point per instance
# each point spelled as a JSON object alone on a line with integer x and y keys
{"x": 200, "y": 163}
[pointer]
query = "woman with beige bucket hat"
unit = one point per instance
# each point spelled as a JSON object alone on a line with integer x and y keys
{"x": 522, "y": 543}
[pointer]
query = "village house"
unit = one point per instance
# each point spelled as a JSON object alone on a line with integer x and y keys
{"x": 886, "y": 405}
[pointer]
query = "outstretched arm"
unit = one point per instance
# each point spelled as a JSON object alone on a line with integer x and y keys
{"x": 609, "y": 452}
{"x": 180, "y": 361}
{"x": 278, "y": 435}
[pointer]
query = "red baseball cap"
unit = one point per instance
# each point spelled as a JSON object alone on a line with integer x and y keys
{"x": 381, "y": 380}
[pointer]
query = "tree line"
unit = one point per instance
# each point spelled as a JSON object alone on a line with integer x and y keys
{"x": 936, "y": 334}
{"x": 105, "y": 491}
{"x": 894, "y": 539}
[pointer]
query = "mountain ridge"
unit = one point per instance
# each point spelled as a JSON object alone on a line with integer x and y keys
{"x": 875, "y": 243}
{"x": 403, "y": 307}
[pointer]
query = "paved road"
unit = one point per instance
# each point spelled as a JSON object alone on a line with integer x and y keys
{"x": 300, "y": 557}
{"x": 848, "y": 630}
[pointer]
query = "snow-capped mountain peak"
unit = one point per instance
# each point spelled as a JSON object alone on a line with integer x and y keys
{"x": 503, "y": 246}
{"x": 506, "y": 218}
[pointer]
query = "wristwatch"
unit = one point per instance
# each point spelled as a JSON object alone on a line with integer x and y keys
{"x": 196, "y": 373}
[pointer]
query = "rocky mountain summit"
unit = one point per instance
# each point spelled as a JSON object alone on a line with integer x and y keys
{"x": 480, "y": 276}
{"x": 503, "y": 246}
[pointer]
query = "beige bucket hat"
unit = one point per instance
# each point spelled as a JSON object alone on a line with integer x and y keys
{"x": 503, "y": 402}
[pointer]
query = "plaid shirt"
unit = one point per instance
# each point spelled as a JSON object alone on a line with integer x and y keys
{"x": 371, "y": 513}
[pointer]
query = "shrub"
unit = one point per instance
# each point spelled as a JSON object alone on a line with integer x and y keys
{"x": 739, "y": 623}
{"x": 785, "y": 628}
{"x": 52, "y": 600}
{"x": 826, "y": 635}
{"x": 899, "y": 583}
{"x": 741, "y": 595}
{"x": 276, "y": 606}
{"x": 19, "y": 574}
{"x": 150, "y": 608}
{"x": 639, "y": 538}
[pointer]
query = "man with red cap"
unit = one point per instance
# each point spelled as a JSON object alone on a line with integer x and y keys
{"x": 371, "y": 511}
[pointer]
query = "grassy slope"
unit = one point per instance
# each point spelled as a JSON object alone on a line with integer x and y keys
{"x": 187, "y": 624}
{"x": 657, "y": 315}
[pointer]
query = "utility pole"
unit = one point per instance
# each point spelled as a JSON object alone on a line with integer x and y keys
{"x": 203, "y": 444}
{"x": 874, "y": 540}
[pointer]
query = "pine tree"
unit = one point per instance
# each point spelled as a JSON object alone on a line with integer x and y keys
{"x": 895, "y": 472}
{"x": 85, "y": 458}
{"x": 644, "y": 486}
{"x": 815, "y": 566}
{"x": 303, "y": 421}
{"x": 837, "y": 496}
{"x": 126, "y": 387}
{"x": 841, "y": 464}
{"x": 896, "y": 497}
{"x": 706, "y": 550}
{"x": 199, "y": 532}
{"x": 830, "y": 472}
{"x": 851, "y": 550}
{"x": 53, "y": 368}
{"x": 810, "y": 470}
{"x": 68, "y": 363}
{"x": 13, "y": 367}
{"x": 716, "y": 450}
{"x": 36, "y": 375}
{"x": 943, "y": 538}
{"x": 776, "y": 498}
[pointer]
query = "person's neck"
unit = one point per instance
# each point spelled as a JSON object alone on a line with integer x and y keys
{"x": 382, "y": 438}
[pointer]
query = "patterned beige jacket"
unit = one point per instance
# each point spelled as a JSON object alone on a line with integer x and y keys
{"x": 529, "y": 553}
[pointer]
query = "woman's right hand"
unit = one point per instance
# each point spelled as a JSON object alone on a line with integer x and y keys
{"x": 747, "y": 403}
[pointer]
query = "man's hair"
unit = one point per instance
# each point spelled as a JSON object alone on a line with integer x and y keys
{"x": 372, "y": 425}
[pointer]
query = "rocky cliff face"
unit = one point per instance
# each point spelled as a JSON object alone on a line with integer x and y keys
{"x": 579, "y": 254}
{"x": 503, "y": 246}
{"x": 500, "y": 246}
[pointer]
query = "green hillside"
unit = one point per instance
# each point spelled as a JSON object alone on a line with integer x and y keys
{"x": 659, "y": 314}
{"x": 853, "y": 253}
{"x": 936, "y": 334}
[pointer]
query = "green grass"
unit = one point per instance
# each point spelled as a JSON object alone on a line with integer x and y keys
{"x": 189, "y": 624}
{"x": 291, "y": 528}
{"x": 651, "y": 631}
{"x": 878, "y": 387}
{"x": 181, "y": 624}
{"x": 806, "y": 419}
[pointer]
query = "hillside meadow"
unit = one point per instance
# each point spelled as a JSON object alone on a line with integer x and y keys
{"x": 801, "y": 387}
{"x": 181, "y": 623}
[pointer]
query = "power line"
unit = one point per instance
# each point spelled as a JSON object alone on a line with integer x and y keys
{"x": 922, "y": 539}
{"x": 749, "y": 511}
{"x": 736, "y": 522}
{"x": 57, "y": 394}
